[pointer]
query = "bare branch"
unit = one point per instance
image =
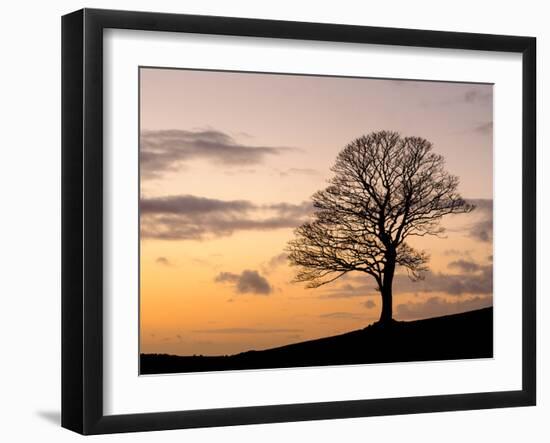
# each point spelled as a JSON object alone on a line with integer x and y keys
{"x": 385, "y": 188}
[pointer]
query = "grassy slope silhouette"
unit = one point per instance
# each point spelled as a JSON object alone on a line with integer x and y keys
{"x": 451, "y": 337}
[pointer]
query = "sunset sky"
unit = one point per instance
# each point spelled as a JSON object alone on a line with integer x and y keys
{"x": 228, "y": 164}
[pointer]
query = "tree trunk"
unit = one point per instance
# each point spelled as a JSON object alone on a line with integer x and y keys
{"x": 387, "y": 306}
{"x": 386, "y": 316}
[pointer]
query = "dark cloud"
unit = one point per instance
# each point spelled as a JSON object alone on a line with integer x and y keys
{"x": 437, "y": 306}
{"x": 247, "y": 331}
{"x": 473, "y": 278}
{"x": 274, "y": 262}
{"x": 167, "y": 150}
{"x": 278, "y": 260}
{"x": 482, "y": 229}
{"x": 451, "y": 252}
{"x": 369, "y": 304}
{"x": 484, "y": 128}
{"x": 190, "y": 204}
{"x": 480, "y": 282}
{"x": 466, "y": 266}
{"x": 246, "y": 282}
{"x": 188, "y": 217}
{"x": 349, "y": 290}
{"x": 290, "y": 210}
{"x": 251, "y": 281}
{"x": 163, "y": 261}
{"x": 226, "y": 277}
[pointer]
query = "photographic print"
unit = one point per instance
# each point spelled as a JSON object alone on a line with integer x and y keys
{"x": 301, "y": 220}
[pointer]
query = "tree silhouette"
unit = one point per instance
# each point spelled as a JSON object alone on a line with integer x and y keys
{"x": 385, "y": 189}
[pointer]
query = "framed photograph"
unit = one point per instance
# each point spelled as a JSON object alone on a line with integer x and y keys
{"x": 268, "y": 221}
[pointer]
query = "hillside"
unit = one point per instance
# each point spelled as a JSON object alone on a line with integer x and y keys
{"x": 458, "y": 336}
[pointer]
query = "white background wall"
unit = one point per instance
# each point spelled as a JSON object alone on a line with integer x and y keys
{"x": 30, "y": 220}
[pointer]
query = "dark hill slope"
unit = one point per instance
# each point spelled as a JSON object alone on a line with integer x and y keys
{"x": 458, "y": 336}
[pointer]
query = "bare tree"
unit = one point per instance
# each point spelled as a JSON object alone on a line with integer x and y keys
{"x": 385, "y": 189}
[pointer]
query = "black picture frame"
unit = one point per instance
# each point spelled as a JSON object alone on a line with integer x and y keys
{"x": 82, "y": 219}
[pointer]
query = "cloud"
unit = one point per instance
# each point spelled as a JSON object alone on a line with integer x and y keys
{"x": 473, "y": 278}
{"x": 163, "y": 261}
{"x": 247, "y": 331}
{"x": 484, "y": 128}
{"x": 290, "y": 210}
{"x": 476, "y": 94}
{"x": 342, "y": 315}
{"x": 451, "y": 252}
{"x": 168, "y": 150}
{"x": 224, "y": 277}
{"x": 365, "y": 288}
{"x": 246, "y": 282}
{"x": 482, "y": 229}
{"x": 480, "y": 282}
{"x": 369, "y": 304}
{"x": 277, "y": 260}
{"x": 466, "y": 266}
{"x": 437, "y": 306}
{"x": 190, "y": 204}
{"x": 188, "y": 217}
{"x": 274, "y": 262}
